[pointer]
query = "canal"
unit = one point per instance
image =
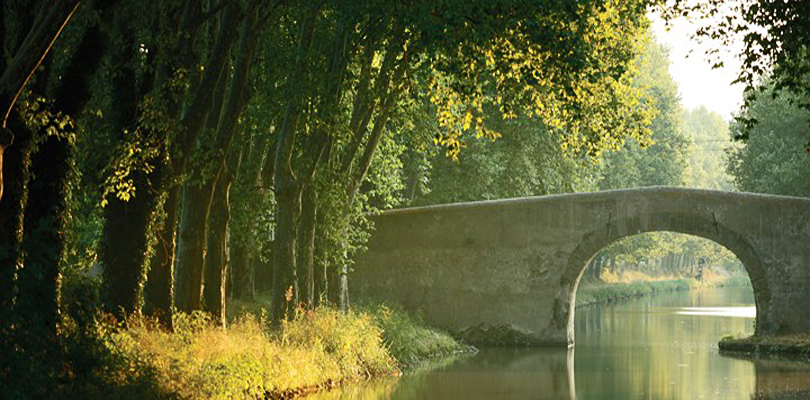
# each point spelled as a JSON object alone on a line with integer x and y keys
{"x": 659, "y": 347}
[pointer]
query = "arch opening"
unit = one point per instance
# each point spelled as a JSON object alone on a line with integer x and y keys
{"x": 594, "y": 242}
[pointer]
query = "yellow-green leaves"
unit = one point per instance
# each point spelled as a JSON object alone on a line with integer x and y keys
{"x": 573, "y": 75}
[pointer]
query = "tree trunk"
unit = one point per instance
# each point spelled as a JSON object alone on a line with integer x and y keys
{"x": 670, "y": 262}
{"x": 594, "y": 269}
{"x": 126, "y": 234}
{"x": 364, "y": 163}
{"x": 38, "y": 281}
{"x": 216, "y": 256}
{"x": 306, "y": 246}
{"x": 262, "y": 272}
{"x": 16, "y": 163}
{"x": 160, "y": 287}
{"x": 321, "y": 278}
{"x": 334, "y": 287}
{"x": 29, "y": 51}
{"x": 191, "y": 246}
{"x": 196, "y": 203}
{"x": 287, "y": 190}
{"x": 288, "y": 208}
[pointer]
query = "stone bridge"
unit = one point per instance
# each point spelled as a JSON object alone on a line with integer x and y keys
{"x": 518, "y": 261}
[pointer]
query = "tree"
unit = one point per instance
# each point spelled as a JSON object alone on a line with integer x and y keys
{"x": 45, "y": 28}
{"x": 771, "y": 160}
{"x": 710, "y": 138}
{"x": 662, "y": 159}
{"x": 775, "y": 36}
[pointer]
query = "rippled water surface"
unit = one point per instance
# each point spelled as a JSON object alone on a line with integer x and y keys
{"x": 661, "y": 347}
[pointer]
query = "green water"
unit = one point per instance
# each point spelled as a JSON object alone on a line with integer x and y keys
{"x": 661, "y": 347}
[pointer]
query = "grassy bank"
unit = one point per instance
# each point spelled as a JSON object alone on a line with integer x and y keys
{"x": 593, "y": 293}
{"x": 784, "y": 346}
{"x": 316, "y": 350}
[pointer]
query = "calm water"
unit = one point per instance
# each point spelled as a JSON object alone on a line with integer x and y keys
{"x": 662, "y": 347}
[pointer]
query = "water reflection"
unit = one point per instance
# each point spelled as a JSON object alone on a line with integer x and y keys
{"x": 780, "y": 379}
{"x": 739, "y": 312}
{"x": 663, "y": 347}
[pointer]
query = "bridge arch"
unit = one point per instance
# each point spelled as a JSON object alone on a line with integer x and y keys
{"x": 516, "y": 263}
{"x": 691, "y": 224}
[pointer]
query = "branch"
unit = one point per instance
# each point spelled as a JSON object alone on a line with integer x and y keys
{"x": 35, "y": 48}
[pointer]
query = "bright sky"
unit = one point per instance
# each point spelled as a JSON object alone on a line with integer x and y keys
{"x": 698, "y": 83}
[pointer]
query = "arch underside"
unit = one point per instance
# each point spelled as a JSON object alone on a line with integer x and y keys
{"x": 594, "y": 241}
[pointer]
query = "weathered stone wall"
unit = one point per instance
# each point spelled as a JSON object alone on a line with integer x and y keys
{"x": 518, "y": 261}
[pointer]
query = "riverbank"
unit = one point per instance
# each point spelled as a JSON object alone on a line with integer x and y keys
{"x": 596, "y": 293}
{"x": 317, "y": 350}
{"x": 795, "y": 346}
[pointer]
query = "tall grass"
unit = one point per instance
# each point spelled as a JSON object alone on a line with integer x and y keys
{"x": 409, "y": 340}
{"x": 249, "y": 359}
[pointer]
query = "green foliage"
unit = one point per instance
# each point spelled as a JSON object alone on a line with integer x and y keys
{"x": 661, "y": 161}
{"x": 773, "y": 158}
{"x": 408, "y": 338}
{"x": 710, "y": 139}
{"x": 570, "y": 67}
{"x": 138, "y": 150}
{"x": 526, "y": 161}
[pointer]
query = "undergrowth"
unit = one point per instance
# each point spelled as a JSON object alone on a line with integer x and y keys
{"x": 409, "y": 340}
{"x": 249, "y": 359}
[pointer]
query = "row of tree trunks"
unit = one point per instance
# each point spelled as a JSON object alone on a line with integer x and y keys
{"x": 593, "y": 270}
{"x": 198, "y": 192}
{"x": 312, "y": 285}
{"x": 130, "y": 236}
{"x": 16, "y": 142}
{"x": 286, "y": 187}
{"x": 680, "y": 264}
{"x": 162, "y": 263}
{"x": 197, "y": 202}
